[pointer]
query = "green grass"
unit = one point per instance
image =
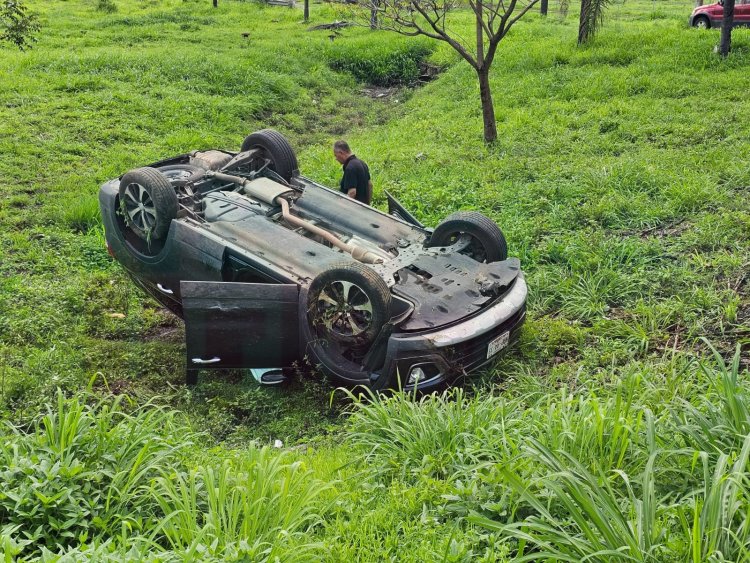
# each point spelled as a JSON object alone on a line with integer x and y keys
{"x": 620, "y": 178}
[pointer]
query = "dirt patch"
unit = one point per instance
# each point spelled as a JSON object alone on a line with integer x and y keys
{"x": 673, "y": 229}
{"x": 428, "y": 71}
{"x": 381, "y": 92}
{"x": 170, "y": 334}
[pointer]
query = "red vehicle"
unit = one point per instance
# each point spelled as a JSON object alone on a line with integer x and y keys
{"x": 709, "y": 16}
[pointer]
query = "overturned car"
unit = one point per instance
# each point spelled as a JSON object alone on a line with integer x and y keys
{"x": 269, "y": 268}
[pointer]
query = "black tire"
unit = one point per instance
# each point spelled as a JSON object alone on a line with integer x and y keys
{"x": 488, "y": 242}
{"x": 702, "y": 22}
{"x": 358, "y": 292}
{"x": 277, "y": 149}
{"x": 179, "y": 175}
{"x": 148, "y": 203}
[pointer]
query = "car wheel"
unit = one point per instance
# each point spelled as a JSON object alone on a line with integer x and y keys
{"x": 276, "y": 148}
{"x": 179, "y": 175}
{"x": 487, "y": 242}
{"x": 348, "y": 303}
{"x": 148, "y": 202}
{"x": 701, "y": 22}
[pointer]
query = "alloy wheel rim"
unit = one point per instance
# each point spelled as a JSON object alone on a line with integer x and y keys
{"x": 344, "y": 309}
{"x": 139, "y": 207}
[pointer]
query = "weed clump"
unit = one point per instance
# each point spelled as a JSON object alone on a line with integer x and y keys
{"x": 380, "y": 64}
{"x": 106, "y": 6}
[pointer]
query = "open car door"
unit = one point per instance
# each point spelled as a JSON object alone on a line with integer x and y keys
{"x": 239, "y": 325}
{"x": 399, "y": 211}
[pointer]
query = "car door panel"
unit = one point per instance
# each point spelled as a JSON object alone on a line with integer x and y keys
{"x": 742, "y": 13}
{"x": 396, "y": 209}
{"x": 240, "y": 325}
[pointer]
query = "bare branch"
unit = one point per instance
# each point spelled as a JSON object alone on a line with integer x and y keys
{"x": 492, "y": 21}
{"x": 485, "y": 26}
{"x": 444, "y": 35}
{"x": 520, "y": 15}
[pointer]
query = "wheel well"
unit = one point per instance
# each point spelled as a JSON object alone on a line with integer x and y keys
{"x": 702, "y": 17}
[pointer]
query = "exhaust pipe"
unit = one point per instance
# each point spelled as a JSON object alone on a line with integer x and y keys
{"x": 270, "y": 193}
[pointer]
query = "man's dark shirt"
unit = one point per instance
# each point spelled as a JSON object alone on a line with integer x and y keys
{"x": 356, "y": 175}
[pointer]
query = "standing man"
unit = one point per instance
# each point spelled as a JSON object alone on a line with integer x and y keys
{"x": 356, "y": 181}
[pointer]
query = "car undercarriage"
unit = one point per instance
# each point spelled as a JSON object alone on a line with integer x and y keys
{"x": 269, "y": 268}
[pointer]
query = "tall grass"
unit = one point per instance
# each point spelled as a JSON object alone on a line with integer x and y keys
{"x": 120, "y": 480}
{"x": 81, "y": 469}
{"x": 435, "y": 436}
{"x": 256, "y": 508}
{"x": 721, "y": 420}
{"x": 629, "y": 472}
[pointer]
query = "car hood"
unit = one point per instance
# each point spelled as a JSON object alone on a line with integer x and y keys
{"x": 703, "y": 9}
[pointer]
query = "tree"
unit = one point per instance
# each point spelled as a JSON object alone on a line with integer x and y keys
{"x": 543, "y": 7}
{"x": 492, "y": 20}
{"x": 727, "y": 23}
{"x": 17, "y": 25}
{"x": 592, "y": 17}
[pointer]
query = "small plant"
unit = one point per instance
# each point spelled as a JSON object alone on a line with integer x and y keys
{"x": 106, "y": 6}
{"x": 17, "y": 25}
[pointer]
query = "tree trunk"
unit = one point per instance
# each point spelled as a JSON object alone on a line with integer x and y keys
{"x": 726, "y": 28}
{"x": 488, "y": 109}
{"x": 543, "y": 7}
{"x": 216, "y": 3}
{"x": 374, "y": 14}
{"x": 698, "y": 3}
{"x": 306, "y": 11}
{"x": 583, "y": 24}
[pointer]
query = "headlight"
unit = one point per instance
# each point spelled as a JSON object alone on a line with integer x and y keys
{"x": 421, "y": 372}
{"x": 415, "y": 376}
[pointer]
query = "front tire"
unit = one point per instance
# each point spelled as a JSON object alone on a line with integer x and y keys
{"x": 348, "y": 304}
{"x": 487, "y": 242}
{"x": 274, "y": 146}
{"x": 702, "y": 22}
{"x": 148, "y": 203}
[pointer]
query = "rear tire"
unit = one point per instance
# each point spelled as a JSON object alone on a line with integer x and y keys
{"x": 276, "y": 148}
{"x": 148, "y": 203}
{"x": 487, "y": 240}
{"x": 348, "y": 304}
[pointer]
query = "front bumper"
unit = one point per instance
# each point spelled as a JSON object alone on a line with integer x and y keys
{"x": 453, "y": 352}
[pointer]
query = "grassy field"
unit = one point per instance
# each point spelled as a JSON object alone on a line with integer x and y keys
{"x": 617, "y": 429}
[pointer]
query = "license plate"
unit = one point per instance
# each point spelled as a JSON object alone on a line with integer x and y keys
{"x": 497, "y": 344}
